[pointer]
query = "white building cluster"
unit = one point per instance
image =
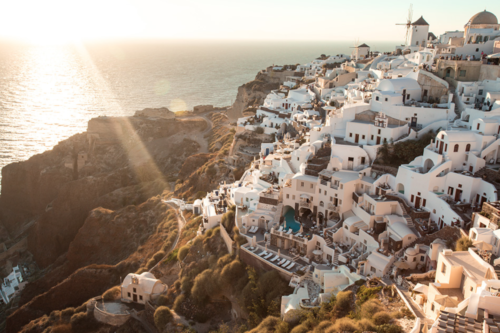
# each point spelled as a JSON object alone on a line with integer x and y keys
{"x": 317, "y": 209}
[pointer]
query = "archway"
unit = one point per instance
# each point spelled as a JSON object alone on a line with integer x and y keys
{"x": 400, "y": 188}
{"x": 321, "y": 219}
{"x": 428, "y": 164}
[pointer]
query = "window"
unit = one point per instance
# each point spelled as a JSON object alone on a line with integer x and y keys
{"x": 414, "y": 259}
{"x": 128, "y": 294}
{"x": 443, "y": 268}
{"x": 442, "y": 136}
{"x": 412, "y": 198}
{"x": 140, "y": 297}
{"x": 135, "y": 290}
{"x": 450, "y": 190}
{"x": 424, "y": 202}
{"x": 376, "y": 98}
{"x": 363, "y": 136}
{"x": 446, "y": 147}
{"x": 350, "y": 135}
{"x": 373, "y": 269}
{"x": 478, "y": 126}
{"x": 321, "y": 204}
{"x": 302, "y": 184}
{"x": 312, "y": 186}
{"x": 422, "y": 258}
{"x": 293, "y": 197}
{"x": 477, "y": 50}
{"x": 432, "y": 307}
{"x": 467, "y": 148}
{"x": 386, "y": 99}
{"x": 297, "y": 158}
{"x": 462, "y": 73}
{"x": 379, "y": 131}
{"x": 372, "y": 136}
{"x": 480, "y": 92}
{"x": 319, "y": 191}
{"x": 455, "y": 148}
{"x": 408, "y": 96}
{"x": 471, "y": 288}
{"x": 288, "y": 196}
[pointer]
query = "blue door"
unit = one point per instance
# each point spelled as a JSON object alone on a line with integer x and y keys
{"x": 267, "y": 151}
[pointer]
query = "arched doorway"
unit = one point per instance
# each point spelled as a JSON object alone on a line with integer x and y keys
{"x": 449, "y": 72}
{"x": 321, "y": 219}
{"x": 400, "y": 188}
{"x": 428, "y": 164}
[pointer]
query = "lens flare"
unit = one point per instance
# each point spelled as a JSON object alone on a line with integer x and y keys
{"x": 178, "y": 105}
{"x": 162, "y": 87}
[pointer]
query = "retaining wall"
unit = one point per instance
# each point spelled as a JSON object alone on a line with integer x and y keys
{"x": 110, "y": 318}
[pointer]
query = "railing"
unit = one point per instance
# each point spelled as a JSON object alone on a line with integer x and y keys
{"x": 305, "y": 205}
{"x": 332, "y": 207}
{"x": 324, "y": 182}
{"x": 334, "y": 186}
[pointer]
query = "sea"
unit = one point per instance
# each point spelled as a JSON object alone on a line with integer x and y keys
{"x": 49, "y": 92}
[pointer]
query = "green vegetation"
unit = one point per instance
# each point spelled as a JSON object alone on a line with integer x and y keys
{"x": 162, "y": 317}
{"x": 403, "y": 152}
{"x": 112, "y": 294}
{"x": 259, "y": 130}
{"x": 463, "y": 244}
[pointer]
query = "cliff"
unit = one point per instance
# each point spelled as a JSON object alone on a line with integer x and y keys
{"x": 254, "y": 92}
{"x": 52, "y": 193}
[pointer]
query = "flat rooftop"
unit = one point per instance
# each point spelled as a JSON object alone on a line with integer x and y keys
{"x": 469, "y": 263}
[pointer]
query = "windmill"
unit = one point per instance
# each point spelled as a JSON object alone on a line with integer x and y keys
{"x": 408, "y": 24}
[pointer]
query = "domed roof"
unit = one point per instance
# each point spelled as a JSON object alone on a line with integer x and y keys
{"x": 484, "y": 18}
{"x": 411, "y": 251}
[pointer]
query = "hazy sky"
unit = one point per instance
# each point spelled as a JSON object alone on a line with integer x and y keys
{"x": 62, "y": 20}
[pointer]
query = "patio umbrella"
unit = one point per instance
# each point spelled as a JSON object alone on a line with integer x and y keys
{"x": 402, "y": 265}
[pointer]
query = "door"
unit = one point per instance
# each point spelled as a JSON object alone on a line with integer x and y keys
{"x": 440, "y": 225}
{"x": 413, "y": 121}
{"x": 356, "y": 138}
{"x": 471, "y": 168}
{"x": 404, "y": 96}
{"x": 135, "y": 298}
{"x": 417, "y": 202}
{"x": 440, "y": 147}
{"x": 350, "y": 163}
{"x": 267, "y": 151}
{"x": 378, "y": 140}
{"x": 458, "y": 195}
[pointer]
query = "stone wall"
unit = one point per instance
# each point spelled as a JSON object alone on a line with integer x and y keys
{"x": 164, "y": 113}
{"x": 110, "y": 318}
{"x": 203, "y": 108}
{"x": 227, "y": 239}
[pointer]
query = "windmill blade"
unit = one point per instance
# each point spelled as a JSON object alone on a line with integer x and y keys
{"x": 410, "y": 13}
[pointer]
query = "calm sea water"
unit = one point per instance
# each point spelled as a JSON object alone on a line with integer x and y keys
{"x": 48, "y": 93}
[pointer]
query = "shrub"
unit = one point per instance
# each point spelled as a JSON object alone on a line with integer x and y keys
{"x": 68, "y": 312}
{"x": 381, "y": 318}
{"x": 112, "y": 294}
{"x": 162, "y": 317}
{"x": 323, "y": 326}
{"x": 183, "y": 252}
{"x": 344, "y": 301}
{"x": 365, "y": 325}
{"x": 162, "y": 300}
{"x": 61, "y": 328}
{"x": 158, "y": 256}
{"x": 81, "y": 308}
{"x": 343, "y": 324}
{"x": 463, "y": 244}
{"x": 300, "y": 329}
{"x": 389, "y": 328}
{"x": 369, "y": 308}
{"x": 259, "y": 130}
{"x": 80, "y": 322}
{"x": 178, "y": 302}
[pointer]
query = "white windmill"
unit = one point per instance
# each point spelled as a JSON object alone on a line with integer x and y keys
{"x": 408, "y": 24}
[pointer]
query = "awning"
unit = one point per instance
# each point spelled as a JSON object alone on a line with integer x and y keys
{"x": 421, "y": 288}
{"x": 492, "y": 56}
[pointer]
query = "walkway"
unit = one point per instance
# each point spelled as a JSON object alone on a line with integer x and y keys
{"x": 180, "y": 224}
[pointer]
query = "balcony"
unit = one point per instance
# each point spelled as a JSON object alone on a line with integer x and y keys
{"x": 334, "y": 186}
{"x": 332, "y": 207}
{"x": 324, "y": 182}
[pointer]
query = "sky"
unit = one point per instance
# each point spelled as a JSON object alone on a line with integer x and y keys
{"x": 46, "y": 21}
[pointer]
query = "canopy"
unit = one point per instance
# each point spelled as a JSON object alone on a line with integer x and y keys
{"x": 317, "y": 252}
{"x": 421, "y": 288}
{"x": 491, "y": 56}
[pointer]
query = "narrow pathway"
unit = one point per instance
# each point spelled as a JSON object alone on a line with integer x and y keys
{"x": 180, "y": 224}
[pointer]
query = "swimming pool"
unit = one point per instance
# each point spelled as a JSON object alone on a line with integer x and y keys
{"x": 290, "y": 220}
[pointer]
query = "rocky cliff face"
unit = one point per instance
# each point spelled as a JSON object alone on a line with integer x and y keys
{"x": 254, "y": 93}
{"x": 110, "y": 244}
{"x": 53, "y": 193}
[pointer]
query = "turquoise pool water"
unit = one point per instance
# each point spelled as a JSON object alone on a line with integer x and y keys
{"x": 290, "y": 220}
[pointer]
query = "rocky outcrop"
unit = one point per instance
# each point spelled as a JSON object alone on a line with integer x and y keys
{"x": 54, "y": 200}
{"x": 118, "y": 240}
{"x": 254, "y": 93}
{"x": 164, "y": 113}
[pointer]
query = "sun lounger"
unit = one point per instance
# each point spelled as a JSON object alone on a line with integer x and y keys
{"x": 254, "y": 230}
{"x": 268, "y": 256}
{"x": 290, "y": 266}
{"x": 262, "y": 254}
{"x": 289, "y": 231}
{"x": 286, "y": 263}
{"x": 282, "y": 261}
{"x": 281, "y": 228}
{"x": 274, "y": 259}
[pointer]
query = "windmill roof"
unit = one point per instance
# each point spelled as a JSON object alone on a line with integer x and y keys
{"x": 363, "y": 45}
{"x": 420, "y": 21}
{"x": 431, "y": 36}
